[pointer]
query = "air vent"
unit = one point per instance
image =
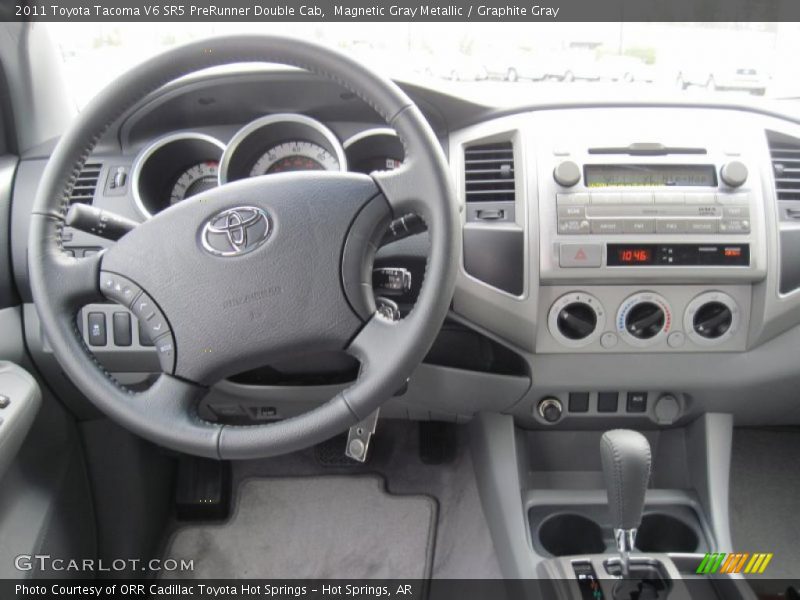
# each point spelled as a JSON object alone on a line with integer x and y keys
{"x": 489, "y": 172}
{"x": 83, "y": 190}
{"x": 785, "y": 151}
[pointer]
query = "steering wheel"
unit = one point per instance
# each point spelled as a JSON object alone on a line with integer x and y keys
{"x": 276, "y": 266}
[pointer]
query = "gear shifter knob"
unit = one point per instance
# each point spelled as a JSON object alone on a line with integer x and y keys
{"x": 625, "y": 455}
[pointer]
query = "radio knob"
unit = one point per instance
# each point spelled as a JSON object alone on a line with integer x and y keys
{"x": 712, "y": 320}
{"x": 645, "y": 320}
{"x": 567, "y": 173}
{"x": 734, "y": 173}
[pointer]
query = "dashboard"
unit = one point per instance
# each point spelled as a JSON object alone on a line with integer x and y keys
{"x": 636, "y": 262}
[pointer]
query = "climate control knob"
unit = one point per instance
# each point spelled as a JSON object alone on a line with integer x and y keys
{"x": 576, "y": 319}
{"x": 711, "y": 318}
{"x": 644, "y": 319}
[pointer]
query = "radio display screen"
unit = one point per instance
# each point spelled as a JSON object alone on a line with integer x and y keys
{"x": 600, "y": 176}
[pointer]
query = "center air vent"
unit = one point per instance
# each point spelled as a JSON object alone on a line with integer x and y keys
{"x": 785, "y": 151}
{"x": 489, "y": 172}
{"x": 85, "y": 185}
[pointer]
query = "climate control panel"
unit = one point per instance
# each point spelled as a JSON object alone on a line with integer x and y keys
{"x": 664, "y": 319}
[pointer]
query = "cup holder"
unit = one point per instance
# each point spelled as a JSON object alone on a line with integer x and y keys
{"x": 567, "y": 534}
{"x": 665, "y": 533}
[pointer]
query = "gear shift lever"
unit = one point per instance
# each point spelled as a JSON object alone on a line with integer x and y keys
{"x": 625, "y": 455}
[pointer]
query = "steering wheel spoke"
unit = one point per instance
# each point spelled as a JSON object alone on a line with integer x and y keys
{"x": 401, "y": 188}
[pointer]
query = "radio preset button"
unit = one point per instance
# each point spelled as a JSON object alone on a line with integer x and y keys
{"x": 639, "y": 226}
{"x": 736, "y": 212}
{"x": 573, "y": 226}
{"x": 571, "y": 211}
{"x": 580, "y": 255}
{"x": 670, "y": 226}
{"x": 706, "y": 199}
{"x": 702, "y": 226}
{"x": 607, "y": 226}
{"x": 638, "y": 198}
{"x": 734, "y": 226}
{"x": 728, "y": 199}
{"x": 669, "y": 198}
{"x": 606, "y": 198}
{"x": 580, "y": 198}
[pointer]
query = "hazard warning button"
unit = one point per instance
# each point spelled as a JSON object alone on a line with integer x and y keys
{"x": 580, "y": 255}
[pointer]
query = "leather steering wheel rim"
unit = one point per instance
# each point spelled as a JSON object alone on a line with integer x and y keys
{"x": 348, "y": 208}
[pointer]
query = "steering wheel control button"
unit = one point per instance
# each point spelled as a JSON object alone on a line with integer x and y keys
{"x": 711, "y": 318}
{"x": 550, "y": 409}
{"x": 119, "y": 289}
{"x": 165, "y": 348}
{"x": 636, "y": 402}
{"x": 144, "y": 337}
{"x": 578, "y": 402}
{"x": 644, "y": 319}
{"x": 580, "y": 255}
{"x": 121, "y": 323}
{"x": 607, "y": 402}
{"x": 576, "y": 319}
{"x": 97, "y": 329}
{"x": 150, "y": 317}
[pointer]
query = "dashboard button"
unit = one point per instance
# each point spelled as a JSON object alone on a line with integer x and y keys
{"x": 121, "y": 323}
{"x": 607, "y": 226}
{"x": 571, "y": 211}
{"x": 580, "y": 198}
{"x": 734, "y": 226}
{"x": 97, "y": 329}
{"x": 607, "y": 402}
{"x": 736, "y": 212}
{"x": 676, "y": 339}
{"x": 608, "y": 340}
{"x": 705, "y": 199}
{"x": 670, "y": 226}
{"x": 573, "y": 226}
{"x": 606, "y": 198}
{"x": 578, "y": 402}
{"x": 701, "y": 226}
{"x": 636, "y": 402}
{"x": 580, "y": 255}
{"x": 639, "y": 226}
{"x": 669, "y": 198}
{"x": 144, "y": 338}
{"x": 728, "y": 199}
{"x": 638, "y": 198}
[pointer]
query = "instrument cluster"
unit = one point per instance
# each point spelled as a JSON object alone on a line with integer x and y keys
{"x": 181, "y": 165}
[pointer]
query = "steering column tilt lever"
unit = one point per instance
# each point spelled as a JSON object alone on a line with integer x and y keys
{"x": 625, "y": 455}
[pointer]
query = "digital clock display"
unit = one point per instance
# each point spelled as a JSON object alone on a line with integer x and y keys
{"x": 635, "y": 256}
{"x": 600, "y": 176}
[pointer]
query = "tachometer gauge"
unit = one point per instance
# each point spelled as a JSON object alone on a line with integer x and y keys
{"x": 294, "y": 156}
{"x": 194, "y": 180}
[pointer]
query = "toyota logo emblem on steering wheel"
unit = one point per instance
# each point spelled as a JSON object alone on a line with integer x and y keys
{"x": 235, "y": 231}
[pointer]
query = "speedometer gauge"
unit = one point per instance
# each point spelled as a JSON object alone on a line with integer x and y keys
{"x": 194, "y": 180}
{"x": 294, "y": 156}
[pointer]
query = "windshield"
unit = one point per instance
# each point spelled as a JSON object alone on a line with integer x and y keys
{"x": 755, "y": 59}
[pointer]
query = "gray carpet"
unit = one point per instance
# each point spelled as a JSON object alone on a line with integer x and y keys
{"x": 765, "y": 500}
{"x": 321, "y": 527}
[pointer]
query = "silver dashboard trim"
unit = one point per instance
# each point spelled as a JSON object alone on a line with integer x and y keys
{"x": 148, "y": 151}
{"x": 267, "y": 120}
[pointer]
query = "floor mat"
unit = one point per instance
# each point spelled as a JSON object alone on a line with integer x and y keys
{"x": 314, "y": 527}
{"x": 765, "y": 495}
